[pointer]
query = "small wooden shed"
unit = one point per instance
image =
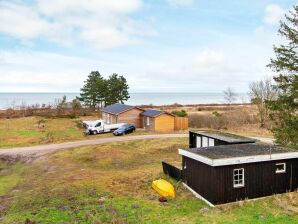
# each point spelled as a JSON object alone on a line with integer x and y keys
{"x": 157, "y": 120}
{"x": 228, "y": 173}
{"x": 122, "y": 113}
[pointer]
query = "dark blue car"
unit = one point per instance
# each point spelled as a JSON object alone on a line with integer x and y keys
{"x": 124, "y": 129}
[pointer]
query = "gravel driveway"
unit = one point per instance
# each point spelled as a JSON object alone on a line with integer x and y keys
{"x": 32, "y": 152}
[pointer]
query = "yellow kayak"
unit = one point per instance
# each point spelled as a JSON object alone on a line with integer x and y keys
{"x": 163, "y": 188}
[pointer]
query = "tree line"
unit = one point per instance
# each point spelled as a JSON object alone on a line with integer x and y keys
{"x": 99, "y": 92}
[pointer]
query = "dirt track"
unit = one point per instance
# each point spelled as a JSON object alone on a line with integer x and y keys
{"x": 32, "y": 152}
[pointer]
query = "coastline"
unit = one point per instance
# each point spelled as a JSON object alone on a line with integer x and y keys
{"x": 155, "y": 99}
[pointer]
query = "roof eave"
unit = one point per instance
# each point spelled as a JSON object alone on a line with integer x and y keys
{"x": 238, "y": 160}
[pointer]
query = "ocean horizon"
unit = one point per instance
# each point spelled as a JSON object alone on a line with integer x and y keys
{"x": 14, "y": 100}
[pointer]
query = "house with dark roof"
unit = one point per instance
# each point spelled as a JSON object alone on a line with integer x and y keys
{"x": 228, "y": 173}
{"x": 122, "y": 113}
{"x": 158, "y": 120}
{"x": 222, "y": 168}
{"x": 150, "y": 120}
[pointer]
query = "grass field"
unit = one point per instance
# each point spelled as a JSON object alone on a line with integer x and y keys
{"x": 35, "y": 131}
{"x": 111, "y": 183}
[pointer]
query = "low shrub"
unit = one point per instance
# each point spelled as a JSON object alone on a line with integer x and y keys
{"x": 180, "y": 113}
{"x": 69, "y": 116}
{"x": 49, "y": 137}
{"x": 79, "y": 124}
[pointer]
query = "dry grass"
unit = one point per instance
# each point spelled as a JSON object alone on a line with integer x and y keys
{"x": 68, "y": 187}
{"x": 241, "y": 119}
{"x": 36, "y": 130}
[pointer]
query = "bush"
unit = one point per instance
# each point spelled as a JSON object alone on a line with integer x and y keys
{"x": 79, "y": 124}
{"x": 70, "y": 116}
{"x": 180, "y": 113}
{"x": 49, "y": 137}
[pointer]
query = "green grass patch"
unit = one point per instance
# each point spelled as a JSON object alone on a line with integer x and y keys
{"x": 10, "y": 176}
{"x": 29, "y": 133}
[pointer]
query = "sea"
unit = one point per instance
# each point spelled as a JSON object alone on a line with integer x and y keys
{"x": 15, "y": 100}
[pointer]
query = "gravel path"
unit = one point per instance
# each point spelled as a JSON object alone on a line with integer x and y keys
{"x": 32, "y": 152}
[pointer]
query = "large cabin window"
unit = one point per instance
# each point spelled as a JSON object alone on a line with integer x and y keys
{"x": 280, "y": 168}
{"x": 211, "y": 142}
{"x": 238, "y": 177}
{"x": 199, "y": 144}
{"x": 204, "y": 141}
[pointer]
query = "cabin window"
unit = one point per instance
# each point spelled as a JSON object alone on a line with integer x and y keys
{"x": 280, "y": 168}
{"x": 199, "y": 144}
{"x": 205, "y": 142}
{"x": 238, "y": 177}
{"x": 148, "y": 121}
{"x": 211, "y": 142}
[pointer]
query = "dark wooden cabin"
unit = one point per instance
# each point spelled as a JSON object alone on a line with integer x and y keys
{"x": 198, "y": 139}
{"x": 228, "y": 173}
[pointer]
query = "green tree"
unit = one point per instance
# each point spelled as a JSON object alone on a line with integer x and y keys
{"x": 283, "y": 110}
{"x": 93, "y": 93}
{"x": 117, "y": 90}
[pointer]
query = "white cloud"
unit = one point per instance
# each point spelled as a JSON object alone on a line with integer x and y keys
{"x": 20, "y": 21}
{"x": 36, "y": 71}
{"x": 103, "y": 23}
{"x": 176, "y": 3}
{"x": 273, "y": 14}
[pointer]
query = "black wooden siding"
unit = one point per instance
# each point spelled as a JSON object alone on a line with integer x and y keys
{"x": 216, "y": 183}
{"x": 172, "y": 171}
{"x": 199, "y": 176}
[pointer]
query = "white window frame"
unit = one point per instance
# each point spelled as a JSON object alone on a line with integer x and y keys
{"x": 199, "y": 142}
{"x": 210, "y": 142}
{"x": 147, "y": 121}
{"x": 205, "y": 141}
{"x": 237, "y": 183}
{"x": 283, "y": 170}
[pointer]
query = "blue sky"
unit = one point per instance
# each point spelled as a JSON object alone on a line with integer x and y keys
{"x": 159, "y": 46}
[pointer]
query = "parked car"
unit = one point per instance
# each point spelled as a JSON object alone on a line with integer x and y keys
{"x": 124, "y": 129}
{"x": 99, "y": 126}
